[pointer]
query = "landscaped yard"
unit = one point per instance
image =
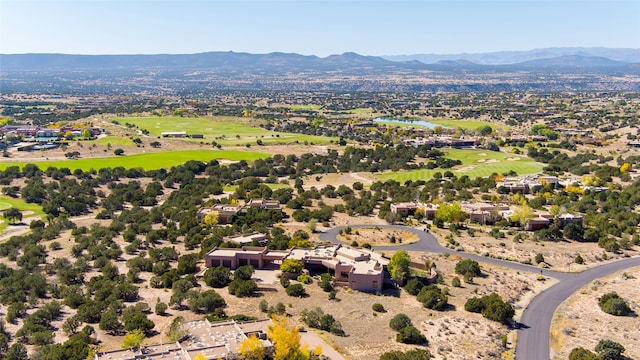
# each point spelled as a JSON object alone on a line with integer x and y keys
{"x": 224, "y": 130}
{"x": 149, "y": 161}
{"x": 475, "y": 163}
{"x": 28, "y": 210}
{"x": 466, "y": 124}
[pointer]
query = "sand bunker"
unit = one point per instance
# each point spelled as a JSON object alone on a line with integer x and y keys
{"x": 513, "y": 158}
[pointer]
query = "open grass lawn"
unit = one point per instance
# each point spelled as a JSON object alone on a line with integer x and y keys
{"x": 224, "y": 130}
{"x": 474, "y": 163}
{"x": 148, "y": 161}
{"x": 466, "y": 124}
{"x": 113, "y": 140}
{"x": 309, "y": 107}
{"x": 7, "y": 202}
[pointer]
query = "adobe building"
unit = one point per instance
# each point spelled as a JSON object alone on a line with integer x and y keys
{"x": 359, "y": 269}
{"x": 218, "y": 340}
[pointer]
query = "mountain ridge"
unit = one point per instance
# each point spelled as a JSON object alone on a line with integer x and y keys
{"x": 628, "y": 55}
{"x": 276, "y": 62}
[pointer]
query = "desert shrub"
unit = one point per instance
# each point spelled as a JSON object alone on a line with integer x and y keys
{"x": 217, "y": 277}
{"x": 263, "y": 306}
{"x": 304, "y": 278}
{"x": 242, "y": 288}
{"x": 432, "y": 297}
{"x": 491, "y": 307}
{"x": 610, "y": 350}
{"x": 326, "y": 282}
{"x": 468, "y": 266}
{"x": 296, "y": 290}
{"x": 613, "y": 304}
{"x": 582, "y": 354}
{"x": 161, "y": 308}
{"x": 317, "y": 319}
{"x": 415, "y": 354}
{"x": 413, "y": 286}
{"x": 410, "y": 335}
{"x": 377, "y": 307}
{"x": 285, "y": 282}
{"x": 455, "y": 282}
{"x": 399, "y": 321}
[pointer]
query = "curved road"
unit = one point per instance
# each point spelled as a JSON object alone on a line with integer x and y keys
{"x": 535, "y": 322}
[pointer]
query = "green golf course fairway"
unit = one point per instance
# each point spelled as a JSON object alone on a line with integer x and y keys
{"x": 7, "y": 202}
{"x": 225, "y": 130}
{"x": 475, "y": 163}
{"x": 466, "y": 124}
{"x": 149, "y": 161}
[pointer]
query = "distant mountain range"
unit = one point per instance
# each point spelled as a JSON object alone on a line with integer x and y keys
{"x": 538, "y": 70}
{"x": 279, "y": 62}
{"x": 515, "y": 57}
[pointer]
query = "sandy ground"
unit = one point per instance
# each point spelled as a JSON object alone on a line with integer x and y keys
{"x": 559, "y": 256}
{"x": 579, "y": 321}
{"x": 379, "y": 237}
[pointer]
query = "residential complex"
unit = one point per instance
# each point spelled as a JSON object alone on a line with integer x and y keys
{"x": 358, "y": 269}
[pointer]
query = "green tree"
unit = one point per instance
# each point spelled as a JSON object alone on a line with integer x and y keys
{"x": 413, "y": 286}
{"x": 610, "y": 350}
{"x": 217, "y": 277}
{"x": 574, "y": 231}
{"x": 17, "y": 351}
{"x": 296, "y": 290}
{"x": 582, "y": 354}
{"x": 613, "y": 304}
{"x": 12, "y": 214}
{"x": 399, "y": 321}
{"x": 243, "y": 272}
{"x": 70, "y": 325}
{"x": 137, "y": 321}
{"x": 468, "y": 266}
{"x": 415, "y": 354}
{"x": 432, "y": 298}
{"x": 110, "y": 322}
{"x": 410, "y": 335}
{"x": 399, "y": 266}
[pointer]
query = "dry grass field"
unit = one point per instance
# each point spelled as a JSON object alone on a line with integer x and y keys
{"x": 579, "y": 322}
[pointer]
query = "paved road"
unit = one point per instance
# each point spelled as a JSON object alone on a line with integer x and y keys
{"x": 533, "y": 336}
{"x": 535, "y": 322}
{"x": 429, "y": 243}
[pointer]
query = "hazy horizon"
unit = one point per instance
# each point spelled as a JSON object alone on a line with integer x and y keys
{"x": 315, "y": 27}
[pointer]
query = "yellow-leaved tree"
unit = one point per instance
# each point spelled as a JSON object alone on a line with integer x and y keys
{"x": 252, "y": 349}
{"x": 522, "y": 215}
{"x": 286, "y": 340}
{"x": 133, "y": 339}
{"x": 625, "y": 168}
{"x": 211, "y": 218}
{"x": 200, "y": 357}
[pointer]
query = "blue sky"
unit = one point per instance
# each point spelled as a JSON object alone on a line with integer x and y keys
{"x": 313, "y": 27}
